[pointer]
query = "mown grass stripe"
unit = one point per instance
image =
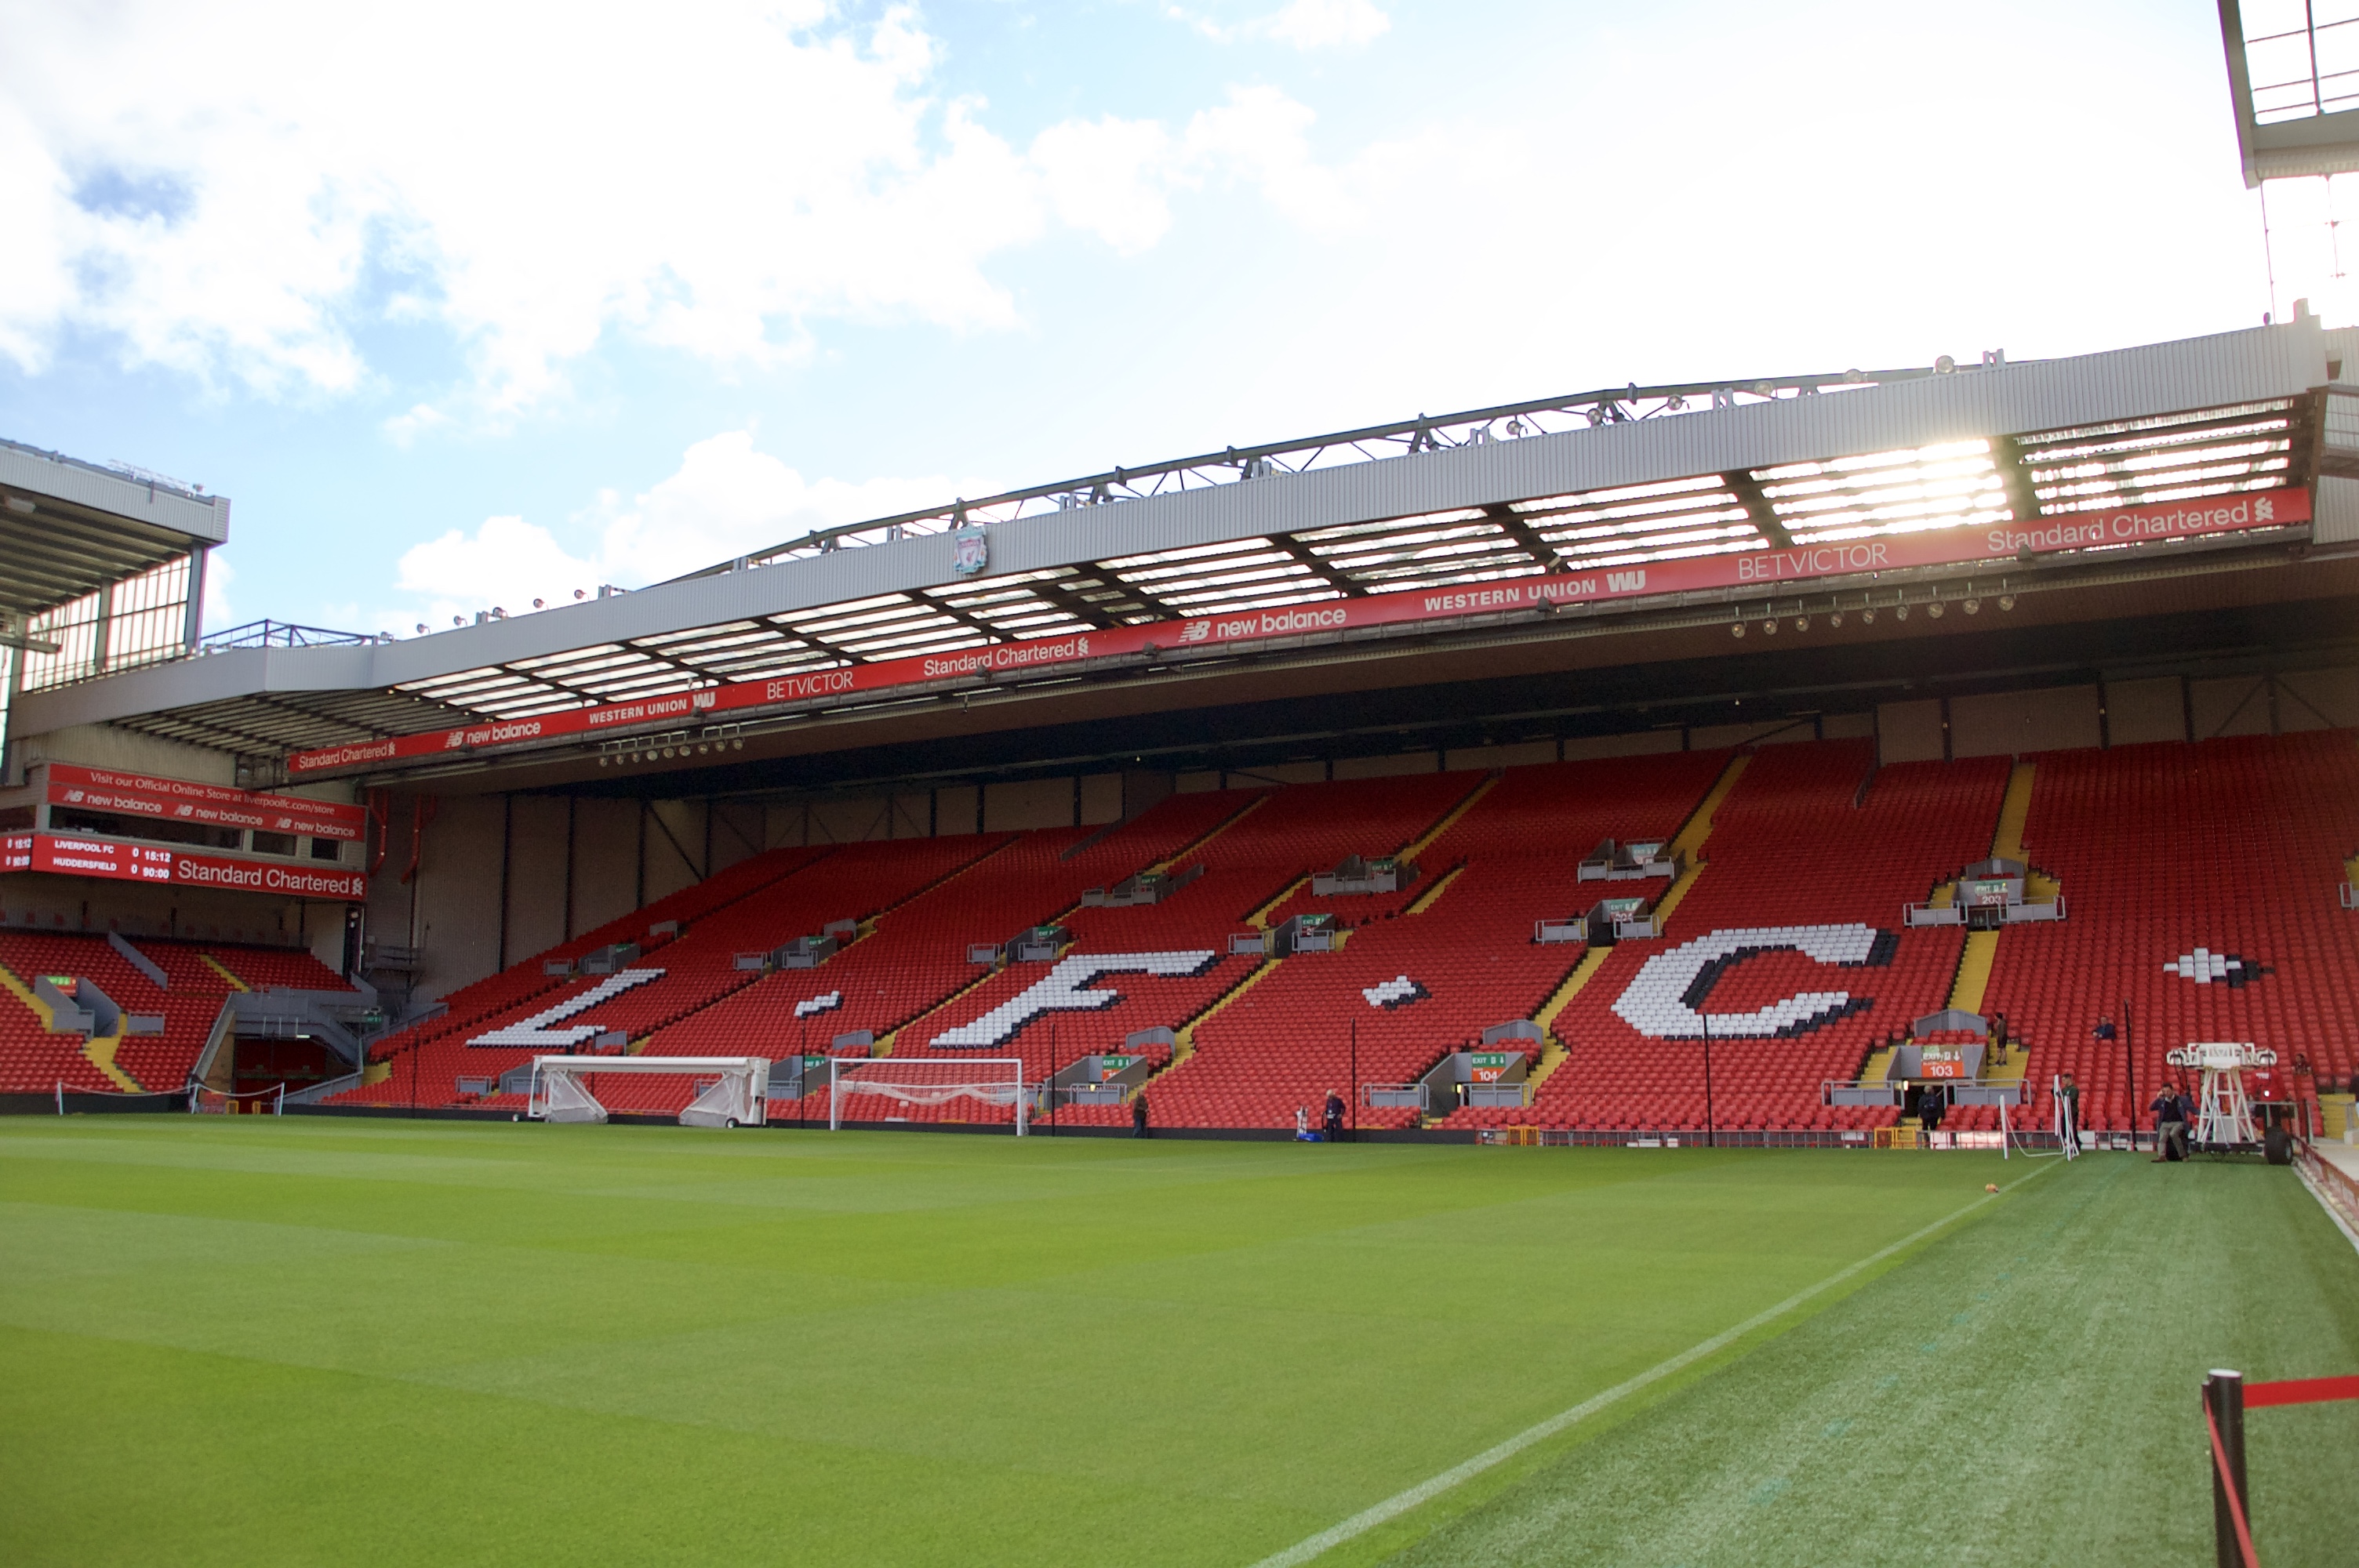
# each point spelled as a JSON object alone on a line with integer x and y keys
{"x": 1425, "y": 1491}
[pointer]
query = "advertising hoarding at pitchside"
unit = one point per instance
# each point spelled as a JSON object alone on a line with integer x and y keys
{"x": 1768, "y": 570}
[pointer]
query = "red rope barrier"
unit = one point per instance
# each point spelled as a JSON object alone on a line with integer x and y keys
{"x": 2301, "y": 1391}
{"x": 2228, "y": 1486}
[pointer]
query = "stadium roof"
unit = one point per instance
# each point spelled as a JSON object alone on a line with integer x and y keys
{"x": 1622, "y": 478}
{"x": 68, "y": 527}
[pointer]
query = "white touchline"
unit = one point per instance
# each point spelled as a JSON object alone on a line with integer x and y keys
{"x": 1400, "y": 1503}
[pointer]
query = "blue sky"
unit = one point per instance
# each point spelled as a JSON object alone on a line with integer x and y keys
{"x": 465, "y": 304}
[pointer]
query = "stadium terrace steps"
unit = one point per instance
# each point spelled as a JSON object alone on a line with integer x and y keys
{"x": 1449, "y": 819}
{"x": 1432, "y": 896}
{"x": 223, "y": 970}
{"x": 2006, "y": 843}
{"x": 1974, "y": 961}
{"x": 1690, "y": 841}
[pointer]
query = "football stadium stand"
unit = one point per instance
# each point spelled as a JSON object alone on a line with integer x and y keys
{"x": 1731, "y": 758}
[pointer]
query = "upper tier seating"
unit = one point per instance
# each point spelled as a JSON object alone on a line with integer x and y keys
{"x": 1788, "y": 848}
{"x": 2234, "y": 845}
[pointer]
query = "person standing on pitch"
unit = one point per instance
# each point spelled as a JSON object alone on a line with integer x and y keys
{"x": 1139, "y": 1114}
{"x": 1335, "y": 1119}
{"x": 2186, "y": 1118}
{"x": 2068, "y": 1105}
{"x": 1932, "y": 1106}
{"x": 2169, "y": 1130}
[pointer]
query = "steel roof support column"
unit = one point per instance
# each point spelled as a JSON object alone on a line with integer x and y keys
{"x": 2022, "y": 500}
{"x": 193, "y": 628}
{"x": 1747, "y": 491}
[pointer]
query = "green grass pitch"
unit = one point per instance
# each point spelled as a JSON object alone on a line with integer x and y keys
{"x": 313, "y": 1340}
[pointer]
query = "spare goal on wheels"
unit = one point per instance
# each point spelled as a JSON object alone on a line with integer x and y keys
{"x": 927, "y": 1081}
{"x": 730, "y": 1090}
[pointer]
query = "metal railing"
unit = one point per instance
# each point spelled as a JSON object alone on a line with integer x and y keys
{"x": 1371, "y": 443}
{"x": 285, "y": 635}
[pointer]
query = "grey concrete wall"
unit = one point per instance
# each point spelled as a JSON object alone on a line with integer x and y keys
{"x": 458, "y": 894}
{"x": 1388, "y": 766}
{"x": 536, "y": 873}
{"x": 675, "y": 847}
{"x": 605, "y": 862}
{"x": 1101, "y": 798}
{"x": 2138, "y": 711}
{"x": 1027, "y": 803}
{"x": 1636, "y": 743}
{"x": 1766, "y": 732}
{"x": 2319, "y": 699}
{"x": 1910, "y": 732}
{"x": 104, "y": 746}
{"x": 958, "y": 808}
{"x": 2237, "y": 706}
{"x": 1483, "y": 758}
{"x": 2013, "y": 723}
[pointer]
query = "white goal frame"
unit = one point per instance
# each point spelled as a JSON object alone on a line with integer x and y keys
{"x": 939, "y": 1091}
{"x": 736, "y": 1097}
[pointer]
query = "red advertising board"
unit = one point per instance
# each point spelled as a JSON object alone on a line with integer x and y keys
{"x": 145, "y": 794}
{"x": 1767, "y": 569}
{"x": 83, "y": 855}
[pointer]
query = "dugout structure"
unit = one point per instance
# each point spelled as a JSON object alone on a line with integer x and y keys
{"x": 732, "y": 1091}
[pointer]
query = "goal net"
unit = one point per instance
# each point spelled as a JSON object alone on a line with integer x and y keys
{"x": 925, "y": 1082}
{"x": 730, "y": 1091}
{"x": 271, "y": 1101}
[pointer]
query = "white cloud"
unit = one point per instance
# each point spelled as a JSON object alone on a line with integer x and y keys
{"x": 727, "y": 499}
{"x": 1328, "y": 24}
{"x": 217, "y": 615}
{"x": 1306, "y": 24}
{"x": 236, "y": 192}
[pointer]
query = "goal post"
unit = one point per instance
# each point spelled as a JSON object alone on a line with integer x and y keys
{"x": 927, "y": 1081}
{"x": 735, "y": 1095}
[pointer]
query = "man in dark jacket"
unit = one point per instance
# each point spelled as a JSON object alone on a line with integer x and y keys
{"x": 2170, "y": 1127}
{"x": 1333, "y": 1122}
{"x": 1139, "y": 1114}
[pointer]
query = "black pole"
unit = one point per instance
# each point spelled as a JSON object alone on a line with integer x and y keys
{"x": 1356, "y": 1080}
{"x": 2129, "y": 1061}
{"x": 803, "y": 1078}
{"x": 1052, "y": 1067}
{"x": 2223, "y": 1396}
{"x": 1710, "y": 1129}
